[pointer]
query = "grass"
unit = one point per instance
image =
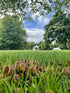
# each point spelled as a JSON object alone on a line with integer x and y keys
{"x": 39, "y": 84}
{"x": 43, "y": 57}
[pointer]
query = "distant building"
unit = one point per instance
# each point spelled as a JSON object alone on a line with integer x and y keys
{"x": 36, "y": 47}
{"x": 57, "y": 48}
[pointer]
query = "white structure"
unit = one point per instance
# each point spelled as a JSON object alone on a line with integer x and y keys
{"x": 57, "y": 48}
{"x": 36, "y": 47}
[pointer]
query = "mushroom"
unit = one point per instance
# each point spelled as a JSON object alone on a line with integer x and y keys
{"x": 33, "y": 70}
{"x": 10, "y": 71}
{"x": 6, "y": 69}
{"x": 36, "y": 63}
{"x": 65, "y": 70}
{"x": 26, "y": 71}
{"x": 51, "y": 62}
{"x": 16, "y": 77}
{"x": 22, "y": 67}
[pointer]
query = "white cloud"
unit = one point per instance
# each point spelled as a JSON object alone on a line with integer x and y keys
{"x": 41, "y": 19}
{"x": 44, "y": 20}
{"x": 34, "y": 15}
{"x": 34, "y": 34}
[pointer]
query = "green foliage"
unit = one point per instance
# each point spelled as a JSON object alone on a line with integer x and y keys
{"x": 35, "y": 6}
{"x": 45, "y": 45}
{"x": 43, "y": 83}
{"x": 44, "y": 56}
{"x": 12, "y": 34}
{"x": 29, "y": 45}
{"x": 58, "y": 29}
{"x": 42, "y": 45}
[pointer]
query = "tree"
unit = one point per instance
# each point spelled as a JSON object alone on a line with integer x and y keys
{"x": 12, "y": 34}
{"x": 58, "y": 29}
{"x": 29, "y": 45}
{"x": 27, "y": 7}
{"x": 42, "y": 45}
{"x": 45, "y": 45}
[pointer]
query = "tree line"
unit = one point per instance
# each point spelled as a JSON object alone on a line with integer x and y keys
{"x": 12, "y": 34}
{"x": 58, "y": 30}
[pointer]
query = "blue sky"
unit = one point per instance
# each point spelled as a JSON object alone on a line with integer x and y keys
{"x": 33, "y": 24}
{"x": 35, "y": 29}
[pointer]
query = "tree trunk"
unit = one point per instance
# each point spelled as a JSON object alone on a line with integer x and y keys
{"x": 65, "y": 46}
{"x": 69, "y": 44}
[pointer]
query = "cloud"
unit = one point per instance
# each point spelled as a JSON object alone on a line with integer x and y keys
{"x": 35, "y": 30}
{"x": 34, "y": 34}
{"x": 43, "y": 20}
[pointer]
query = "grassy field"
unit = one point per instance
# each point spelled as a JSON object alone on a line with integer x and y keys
{"x": 47, "y": 82}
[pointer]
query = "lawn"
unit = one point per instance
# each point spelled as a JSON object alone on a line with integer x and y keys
{"x": 52, "y": 80}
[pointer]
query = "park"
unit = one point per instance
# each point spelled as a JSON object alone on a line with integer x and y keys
{"x": 34, "y": 46}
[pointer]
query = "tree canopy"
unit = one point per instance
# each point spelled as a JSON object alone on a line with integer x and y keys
{"x": 12, "y": 34}
{"x": 26, "y": 7}
{"x": 58, "y": 29}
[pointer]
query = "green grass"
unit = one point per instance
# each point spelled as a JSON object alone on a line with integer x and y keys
{"x": 43, "y": 57}
{"x": 59, "y": 84}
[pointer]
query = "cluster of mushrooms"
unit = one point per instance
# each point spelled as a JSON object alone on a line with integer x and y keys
{"x": 25, "y": 68}
{"x": 59, "y": 68}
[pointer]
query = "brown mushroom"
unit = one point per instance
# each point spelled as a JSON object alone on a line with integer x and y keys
{"x": 38, "y": 70}
{"x": 65, "y": 70}
{"x": 51, "y": 62}
{"x": 10, "y": 71}
{"x": 27, "y": 62}
{"x": 36, "y": 63}
{"x": 22, "y": 60}
{"x": 16, "y": 77}
{"x": 22, "y": 67}
{"x": 6, "y": 69}
{"x": 33, "y": 70}
{"x": 17, "y": 66}
{"x": 27, "y": 71}
{"x": 43, "y": 68}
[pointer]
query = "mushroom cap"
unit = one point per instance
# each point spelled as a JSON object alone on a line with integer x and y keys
{"x": 36, "y": 63}
{"x": 6, "y": 69}
{"x": 11, "y": 71}
{"x": 16, "y": 77}
{"x": 22, "y": 67}
{"x": 65, "y": 70}
{"x": 33, "y": 70}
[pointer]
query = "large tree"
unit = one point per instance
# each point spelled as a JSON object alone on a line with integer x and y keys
{"x": 58, "y": 29}
{"x": 29, "y": 45}
{"x": 42, "y": 45}
{"x": 12, "y": 35}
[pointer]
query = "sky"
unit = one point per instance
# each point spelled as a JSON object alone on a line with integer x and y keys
{"x": 35, "y": 29}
